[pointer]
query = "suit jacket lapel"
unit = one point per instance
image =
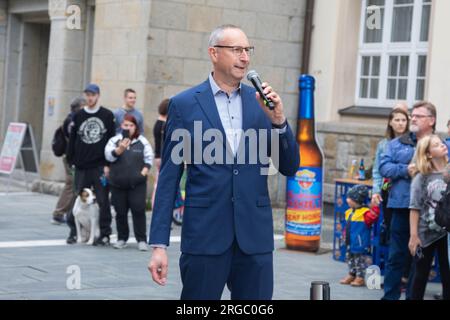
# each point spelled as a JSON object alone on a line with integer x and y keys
{"x": 208, "y": 105}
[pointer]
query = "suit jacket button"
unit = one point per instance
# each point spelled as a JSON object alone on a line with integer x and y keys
{"x": 232, "y": 199}
{"x": 235, "y": 172}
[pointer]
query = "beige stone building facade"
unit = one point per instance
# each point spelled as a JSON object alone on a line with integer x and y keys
{"x": 159, "y": 47}
{"x": 361, "y": 72}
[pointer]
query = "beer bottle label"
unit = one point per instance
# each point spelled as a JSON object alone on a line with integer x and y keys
{"x": 304, "y": 203}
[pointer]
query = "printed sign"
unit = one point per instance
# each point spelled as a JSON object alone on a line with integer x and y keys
{"x": 11, "y": 146}
{"x": 304, "y": 203}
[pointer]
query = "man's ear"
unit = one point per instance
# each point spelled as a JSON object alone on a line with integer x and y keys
{"x": 212, "y": 53}
{"x": 433, "y": 121}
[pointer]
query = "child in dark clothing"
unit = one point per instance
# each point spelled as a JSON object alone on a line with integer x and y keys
{"x": 359, "y": 220}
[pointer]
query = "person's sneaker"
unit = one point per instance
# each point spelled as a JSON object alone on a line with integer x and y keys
{"x": 142, "y": 246}
{"x": 347, "y": 280}
{"x": 102, "y": 241}
{"x": 358, "y": 282}
{"x": 71, "y": 240}
{"x": 58, "y": 220}
{"x": 120, "y": 244}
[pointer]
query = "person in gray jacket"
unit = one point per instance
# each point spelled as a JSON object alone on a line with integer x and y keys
{"x": 131, "y": 157}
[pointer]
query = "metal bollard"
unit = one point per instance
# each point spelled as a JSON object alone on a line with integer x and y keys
{"x": 320, "y": 290}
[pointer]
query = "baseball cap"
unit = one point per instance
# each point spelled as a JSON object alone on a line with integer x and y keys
{"x": 93, "y": 88}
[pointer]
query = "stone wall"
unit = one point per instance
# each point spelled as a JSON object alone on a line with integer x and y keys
{"x": 65, "y": 72}
{"x": 119, "y": 50}
{"x": 178, "y": 58}
{"x": 341, "y": 142}
{"x": 159, "y": 48}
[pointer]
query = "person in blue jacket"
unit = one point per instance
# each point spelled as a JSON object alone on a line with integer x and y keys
{"x": 398, "y": 125}
{"x": 396, "y": 164}
{"x": 359, "y": 220}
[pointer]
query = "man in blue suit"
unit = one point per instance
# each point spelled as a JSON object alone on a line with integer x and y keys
{"x": 227, "y": 234}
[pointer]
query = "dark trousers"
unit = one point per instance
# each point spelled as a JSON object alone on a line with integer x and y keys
{"x": 248, "y": 277}
{"x": 423, "y": 267}
{"x": 134, "y": 200}
{"x": 398, "y": 255}
{"x": 87, "y": 178}
{"x": 387, "y": 218}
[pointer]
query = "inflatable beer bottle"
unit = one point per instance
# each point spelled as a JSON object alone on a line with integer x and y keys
{"x": 304, "y": 190}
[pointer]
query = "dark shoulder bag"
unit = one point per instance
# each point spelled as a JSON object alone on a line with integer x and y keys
{"x": 442, "y": 211}
{"x": 59, "y": 142}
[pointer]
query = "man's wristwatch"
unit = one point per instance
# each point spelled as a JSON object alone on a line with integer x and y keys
{"x": 280, "y": 126}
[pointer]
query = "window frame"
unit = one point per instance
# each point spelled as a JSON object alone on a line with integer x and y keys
{"x": 386, "y": 48}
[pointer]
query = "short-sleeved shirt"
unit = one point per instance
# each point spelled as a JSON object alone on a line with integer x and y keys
{"x": 426, "y": 191}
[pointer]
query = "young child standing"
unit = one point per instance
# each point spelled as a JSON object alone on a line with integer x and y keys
{"x": 359, "y": 220}
{"x": 427, "y": 237}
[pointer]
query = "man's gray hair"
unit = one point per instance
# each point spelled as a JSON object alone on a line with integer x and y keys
{"x": 217, "y": 34}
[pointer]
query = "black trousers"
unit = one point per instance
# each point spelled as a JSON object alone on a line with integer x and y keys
{"x": 134, "y": 200}
{"x": 423, "y": 267}
{"x": 387, "y": 218}
{"x": 87, "y": 178}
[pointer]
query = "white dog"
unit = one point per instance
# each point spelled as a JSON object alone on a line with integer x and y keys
{"x": 86, "y": 215}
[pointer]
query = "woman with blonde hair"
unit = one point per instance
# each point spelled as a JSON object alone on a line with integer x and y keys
{"x": 427, "y": 237}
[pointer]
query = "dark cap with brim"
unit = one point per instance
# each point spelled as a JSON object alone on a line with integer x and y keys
{"x": 92, "y": 88}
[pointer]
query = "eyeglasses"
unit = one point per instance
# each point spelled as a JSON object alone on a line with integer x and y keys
{"x": 420, "y": 116}
{"x": 239, "y": 50}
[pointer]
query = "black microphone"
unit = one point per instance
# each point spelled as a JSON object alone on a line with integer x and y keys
{"x": 254, "y": 78}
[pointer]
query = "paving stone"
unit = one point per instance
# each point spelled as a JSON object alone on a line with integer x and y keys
{"x": 107, "y": 273}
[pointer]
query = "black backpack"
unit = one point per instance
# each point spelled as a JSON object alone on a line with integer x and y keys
{"x": 442, "y": 211}
{"x": 59, "y": 142}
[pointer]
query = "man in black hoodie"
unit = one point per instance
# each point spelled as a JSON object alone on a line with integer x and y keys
{"x": 92, "y": 127}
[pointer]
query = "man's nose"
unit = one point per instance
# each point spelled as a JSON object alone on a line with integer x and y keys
{"x": 245, "y": 57}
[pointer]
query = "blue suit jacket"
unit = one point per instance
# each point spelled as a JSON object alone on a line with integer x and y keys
{"x": 447, "y": 142}
{"x": 223, "y": 201}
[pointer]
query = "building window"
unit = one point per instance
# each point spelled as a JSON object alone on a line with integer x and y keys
{"x": 392, "y": 52}
{"x": 370, "y": 77}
